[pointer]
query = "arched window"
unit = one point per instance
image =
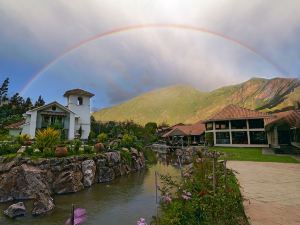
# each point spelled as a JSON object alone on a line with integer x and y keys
{"x": 79, "y": 101}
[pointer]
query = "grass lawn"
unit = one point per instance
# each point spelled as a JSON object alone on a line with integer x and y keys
{"x": 251, "y": 154}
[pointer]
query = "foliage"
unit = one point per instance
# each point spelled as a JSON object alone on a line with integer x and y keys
{"x": 102, "y": 138}
{"x": 195, "y": 200}
{"x": 149, "y": 156}
{"x": 47, "y": 138}
{"x": 151, "y": 127}
{"x": 23, "y": 138}
{"x": 9, "y": 148}
{"x": 76, "y": 143}
{"x": 251, "y": 154}
{"x": 126, "y": 156}
{"x": 88, "y": 149}
{"x": 130, "y": 141}
{"x": 92, "y": 135}
{"x": 12, "y": 108}
{"x": 39, "y": 102}
{"x": 48, "y": 152}
{"x": 209, "y": 138}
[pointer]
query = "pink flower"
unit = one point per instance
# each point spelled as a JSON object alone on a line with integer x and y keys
{"x": 141, "y": 221}
{"x": 167, "y": 199}
{"x": 80, "y": 217}
{"x": 186, "y": 195}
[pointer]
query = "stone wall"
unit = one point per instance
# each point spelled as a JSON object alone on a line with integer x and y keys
{"x": 24, "y": 178}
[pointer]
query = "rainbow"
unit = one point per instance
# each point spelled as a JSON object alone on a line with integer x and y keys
{"x": 147, "y": 26}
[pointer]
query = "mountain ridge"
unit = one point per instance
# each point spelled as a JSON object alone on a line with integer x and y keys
{"x": 186, "y": 104}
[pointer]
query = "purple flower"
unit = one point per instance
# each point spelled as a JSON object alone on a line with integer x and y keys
{"x": 80, "y": 217}
{"x": 141, "y": 221}
{"x": 167, "y": 198}
{"x": 186, "y": 195}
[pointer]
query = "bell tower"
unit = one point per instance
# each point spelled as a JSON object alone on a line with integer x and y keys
{"x": 79, "y": 103}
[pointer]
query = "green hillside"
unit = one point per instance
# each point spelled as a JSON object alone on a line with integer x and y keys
{"x": 186, "y": 104}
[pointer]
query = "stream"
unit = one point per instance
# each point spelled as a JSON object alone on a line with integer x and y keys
{"x": 120, "y": 202}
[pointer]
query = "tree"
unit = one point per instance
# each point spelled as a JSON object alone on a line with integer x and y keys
{"x": 28, "y": 104}
{"x": 39, "y": 102}
{"x": 4, "y": 90}
{"x": 151, "y": 127}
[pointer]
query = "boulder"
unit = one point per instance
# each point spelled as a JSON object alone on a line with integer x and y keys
{"x": 68, "y": 182}
{"x": 89, "y": 171}
{"x": 134, "y": 151}
{"x": 113, "y": 157}
{"x": 42, "y": 204}
{"x": 15, "y": 210}
{"x": 22, "y": 182}
{"x": 105, "y": 174}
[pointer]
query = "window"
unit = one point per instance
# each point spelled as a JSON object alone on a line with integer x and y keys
{"x": 239, "y": 137}
{"x": 222, "y": 125}
{"x": 238, "y": 124}
{"x": 53, "y": 108}
{"x": 209, "y": 126}
{"x": 222, "y": 138}
{"x": 79, "y": 101}
{"x": 256, "y": 123}
{"x": 258, "y": 137}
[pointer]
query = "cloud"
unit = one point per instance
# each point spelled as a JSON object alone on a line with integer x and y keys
{"x": 127, "y": 64}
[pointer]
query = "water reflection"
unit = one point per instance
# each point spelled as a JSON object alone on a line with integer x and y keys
{"x": 121, "y": 201}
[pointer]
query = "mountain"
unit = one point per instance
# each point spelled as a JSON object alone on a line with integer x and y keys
{"x": 186, "y": 104}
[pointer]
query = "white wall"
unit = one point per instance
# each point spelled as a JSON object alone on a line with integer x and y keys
{"x": 84, "y": 113}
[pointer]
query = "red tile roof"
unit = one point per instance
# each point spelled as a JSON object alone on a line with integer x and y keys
{"x": 236, "y": 112}
{"x": 16, "y": 125}
{"x": 78, "y": 92}
{"x": 291, "y": 117}
{"x": 194, "y": 129}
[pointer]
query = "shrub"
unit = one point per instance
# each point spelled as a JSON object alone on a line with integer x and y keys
{"x": 88, "y": 149}
{"x": 48, "y": 152}
{"x": 47, "y": 138}
{"x": 102, "y": 137}
{"x": 209, "y": 138}
{"x": 9, "y": 148}
{"x": 126, "y": 156}
{"x": 77, "y": 144}
{"x": 128, "y": 141}
{"x": 29, "y": 150}
{"x": 23, "y": 138}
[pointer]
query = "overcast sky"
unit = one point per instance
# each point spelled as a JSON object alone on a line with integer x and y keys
{"x": 125, "y": 64}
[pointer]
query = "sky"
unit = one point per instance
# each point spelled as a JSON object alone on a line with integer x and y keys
{"x": 251, "y": 39}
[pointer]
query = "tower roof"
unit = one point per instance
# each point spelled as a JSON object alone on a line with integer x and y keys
{"x": 78, "y": 91}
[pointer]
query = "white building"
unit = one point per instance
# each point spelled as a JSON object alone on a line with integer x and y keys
{"x": 73, "y": 119}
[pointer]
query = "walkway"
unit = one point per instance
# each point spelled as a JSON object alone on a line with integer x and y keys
{"x": 271, "y": 191}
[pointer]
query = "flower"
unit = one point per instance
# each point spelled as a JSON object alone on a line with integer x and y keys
{"x": 79, "y": 217}
{"x": 186, "y": 195}
{"x": 141, "y": 221}
{"x": 167, "y": 198}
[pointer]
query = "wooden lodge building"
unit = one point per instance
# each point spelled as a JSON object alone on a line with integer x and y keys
{"x": 189, "y": 134}
{"x": 235, "y": 126}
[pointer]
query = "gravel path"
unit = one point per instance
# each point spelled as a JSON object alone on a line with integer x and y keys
{"x": 271, "y": 191}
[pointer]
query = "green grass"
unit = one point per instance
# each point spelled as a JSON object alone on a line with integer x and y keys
{"x": 251, "y": 154}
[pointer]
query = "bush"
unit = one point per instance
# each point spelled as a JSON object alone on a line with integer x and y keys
{"x": 209, "y": 138}
{"x": 88, "y": 149}
{"x": 48, "y": 138}
{"x": 126, "y": 156}
{"x": 9, "y": 148}
{"x": 23, "y": 138}
{"x": 194, "y": 200}
{"x": 102, "y": 138}
{"x": 48, "y": 152}
{"x": 77, "y": 144}
{"x": 29, "y": 151}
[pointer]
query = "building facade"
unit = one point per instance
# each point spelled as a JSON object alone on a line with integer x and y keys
{"x": 73, "y": 120}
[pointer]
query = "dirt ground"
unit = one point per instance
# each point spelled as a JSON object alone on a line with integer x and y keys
{"x": 271, "y": 191}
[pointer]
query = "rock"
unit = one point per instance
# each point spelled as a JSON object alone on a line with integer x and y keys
{"x": 15, "y": 210}
{"x": 113, "y": 157}
{"x": 89, "y": 171}
{"x": 22, "y": 149}
{"x": 105, "y": 174}
{"x": 134, "y": 151}
{"x": 22, "y": 182}
{"x": 68, "y": 182}
{"x": 42, "y": 204}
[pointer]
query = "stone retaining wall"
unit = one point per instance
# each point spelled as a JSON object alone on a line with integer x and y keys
{"x": 24, "y": 178}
